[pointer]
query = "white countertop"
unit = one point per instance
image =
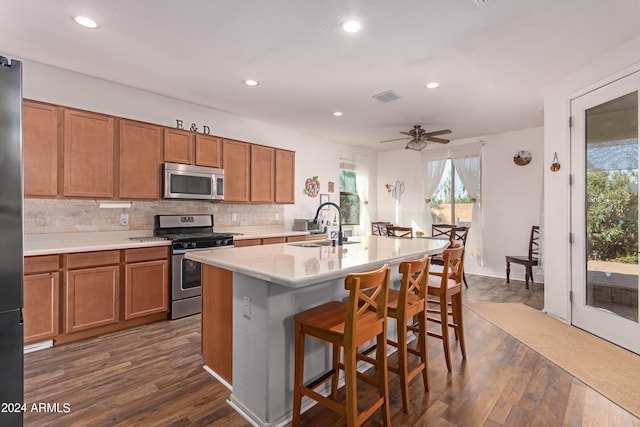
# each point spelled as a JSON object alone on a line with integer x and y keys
{"x": 295, "y": 267}
{"x": 258, "y": 231}
{"x": 59, "y": 243}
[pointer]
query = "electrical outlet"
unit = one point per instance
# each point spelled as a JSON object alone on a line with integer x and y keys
{"x": 246, "y": 307}
{"x": 124, "y": 219}
{"x": 234, "y": 217}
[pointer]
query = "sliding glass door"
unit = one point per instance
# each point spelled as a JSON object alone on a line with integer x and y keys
{"x": 604, "y": 223}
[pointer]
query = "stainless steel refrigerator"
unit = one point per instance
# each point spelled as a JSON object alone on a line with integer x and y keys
{"x": 11, "y": 268}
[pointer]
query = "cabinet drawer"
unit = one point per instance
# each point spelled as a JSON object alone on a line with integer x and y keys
{"x": 296, "y": 238}
{"x": 272, "y": 240}
{"x": 92, "y": 259}
{"x": 247, "y": 242}
{"x": 146, "y": 254}
{"x": 41, "y": 264}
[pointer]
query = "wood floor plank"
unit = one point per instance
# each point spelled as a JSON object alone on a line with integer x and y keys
{"x": 152, "y": 376}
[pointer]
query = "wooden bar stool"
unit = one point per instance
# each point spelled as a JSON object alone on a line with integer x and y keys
{"x": 347, "y": 325}
{"x": 447, "y": 285}
{"x": 397, "y": 231}
{"x": 408, "y": 304}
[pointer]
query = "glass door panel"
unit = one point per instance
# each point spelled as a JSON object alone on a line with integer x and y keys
{"x": 605, "y": 212}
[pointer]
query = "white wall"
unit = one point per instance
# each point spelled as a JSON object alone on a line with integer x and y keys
{"x": 605, "y": 69}
{"x": 314, "y": 156}
{"x": 511, "y": 196}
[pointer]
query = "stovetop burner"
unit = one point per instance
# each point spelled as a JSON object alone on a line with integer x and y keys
{"x": 190, "y": 232}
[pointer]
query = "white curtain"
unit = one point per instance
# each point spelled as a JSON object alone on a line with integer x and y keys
{"x": 432, "y": 170}
{"x": 467, "y": 162}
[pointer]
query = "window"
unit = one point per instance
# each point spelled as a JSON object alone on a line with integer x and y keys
{"x": 451, "y": 203}
{"x": 349, "y": 199}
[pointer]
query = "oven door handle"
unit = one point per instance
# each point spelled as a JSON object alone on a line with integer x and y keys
{"x": 184, "y": 251}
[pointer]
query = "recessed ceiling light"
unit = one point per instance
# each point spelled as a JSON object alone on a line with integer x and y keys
{"x": 86, "y": 22}
{"x": 251, "y": 83}
{"x": 432, "y": 85}
{"x": 351, "y": 26}
{"x": 337, "y": 113}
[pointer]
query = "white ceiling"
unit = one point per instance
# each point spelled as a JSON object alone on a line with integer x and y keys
{"x": 492, "y": 61}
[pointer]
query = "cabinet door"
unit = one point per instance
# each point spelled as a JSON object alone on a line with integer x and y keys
{"x": 262, "y": 174}
{"x": 235, "y": 156}
{"x": 140, "y": 160}
{"x": 146, "y": 288}
{"x": 247, "y": 242}
{"x": 41, "y": 303}
{"x": 285, "y": 172}
{"x": 208, "y": 151}
{"x": 91, "y": 298}
{"x": 40, "y": 148}
{"x": 178, "y": 146}
{"x": 88, "y": 154}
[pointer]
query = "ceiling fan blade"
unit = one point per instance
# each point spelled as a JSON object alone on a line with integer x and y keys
{"x": 438, "y": 132}
{"x": 440, "y": 140}
{"x": 410, "y": 133}
{"x": 398, "y": 139}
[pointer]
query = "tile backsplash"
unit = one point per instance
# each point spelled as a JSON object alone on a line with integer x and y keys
{"x": 64, "y": 216}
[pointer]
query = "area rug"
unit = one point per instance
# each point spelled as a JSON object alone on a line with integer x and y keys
{"x": 605, "y": 367}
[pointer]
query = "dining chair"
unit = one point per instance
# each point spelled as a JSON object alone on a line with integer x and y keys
{"x": 397, "y": 231}
{"x": 528, "y": 261}
{"x": 379, "y": 228}
{"x": 453, "y": 233}
{"x": 346, "y": 326}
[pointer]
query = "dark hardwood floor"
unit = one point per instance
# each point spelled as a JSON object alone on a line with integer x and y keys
{"x": 152, "y": 376}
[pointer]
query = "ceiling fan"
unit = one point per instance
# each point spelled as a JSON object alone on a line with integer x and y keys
{"x": 419, "y": 137}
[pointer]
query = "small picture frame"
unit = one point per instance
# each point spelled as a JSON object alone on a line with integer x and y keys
{"x": 324, "y": 198}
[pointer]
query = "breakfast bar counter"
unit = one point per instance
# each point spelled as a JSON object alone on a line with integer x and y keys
{"x": 250, "y": 296}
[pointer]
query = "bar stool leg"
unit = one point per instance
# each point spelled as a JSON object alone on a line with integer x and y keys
{"x": 444, "y": 319}
{"x": 456, "y": 301}
{"x": 351, "y": 406}
{"x": 298, "y": 373}
{"x": 422, "y": 341}
{"x": 403, "y": 371}
{"x": 383, "y": 384}
{"x": 334, "y": 378}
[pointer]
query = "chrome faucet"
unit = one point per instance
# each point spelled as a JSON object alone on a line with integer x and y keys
{"x": 315, "y": 220}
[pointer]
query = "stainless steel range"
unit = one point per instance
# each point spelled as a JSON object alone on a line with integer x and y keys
{"x": 188, "y": 233}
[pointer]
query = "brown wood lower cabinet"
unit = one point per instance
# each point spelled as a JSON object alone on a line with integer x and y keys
{"x": 41, "y": 305}
{"x": 146, "y": 283}
{"x": 217, "y": 320}
{"x": 92, "y": 293}
{"x": 91, "y": 297}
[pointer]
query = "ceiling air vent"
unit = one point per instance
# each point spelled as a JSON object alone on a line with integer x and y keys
{"x": 387, "y": 96}
{"x": 481, "y": 2}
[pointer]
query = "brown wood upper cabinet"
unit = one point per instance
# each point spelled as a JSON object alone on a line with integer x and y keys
{"x": 285, "y": 170}
{"x": 178, "y": 146}
{"x": 88, "y": 154}
{"x": 236, "y": 162}
{"x": 140, "y": 160}
{"x": 262, "y": 174}
{"x": 41, "y": 131}
{"x": 208, "y": 151}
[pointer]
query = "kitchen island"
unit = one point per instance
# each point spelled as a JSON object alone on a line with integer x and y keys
{"x": 266, "y": 286}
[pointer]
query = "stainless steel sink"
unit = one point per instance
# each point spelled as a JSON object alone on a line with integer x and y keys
{"x": 319, "y": 243}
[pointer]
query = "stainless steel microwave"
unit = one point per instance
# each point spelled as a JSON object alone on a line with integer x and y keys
{"x": 192, "y": 182}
